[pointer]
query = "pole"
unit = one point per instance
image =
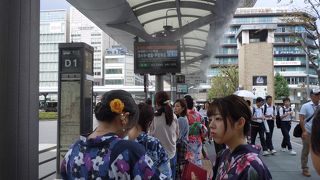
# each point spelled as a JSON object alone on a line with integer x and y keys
{"x": 159, "y": 83}
{"x": 307, "y": 73}
{"x": 173, "y": 88}
{"x": 145, "y": 85}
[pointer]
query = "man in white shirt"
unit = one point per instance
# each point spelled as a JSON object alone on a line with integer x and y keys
{"x": 270, "y": 115}
{"x": 306, "y": 112}
{"x": 257, "y": 125}
{"x": 285, "y": 113}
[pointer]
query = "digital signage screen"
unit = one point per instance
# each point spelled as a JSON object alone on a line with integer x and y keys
{"x": 157, "y": 57}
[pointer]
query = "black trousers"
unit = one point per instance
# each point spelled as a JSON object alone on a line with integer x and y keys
{"x": 285, "y": 129}
{"x": 270, "y": 134}
{"x": 255, "y": 129}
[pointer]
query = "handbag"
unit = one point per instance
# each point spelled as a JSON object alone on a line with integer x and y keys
{"x": 192, "y": 171}
{"x": 297, "y": 131}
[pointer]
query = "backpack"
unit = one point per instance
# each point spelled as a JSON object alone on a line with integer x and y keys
{"x": 278, "y": 118}
{"x": 265, "y": 109}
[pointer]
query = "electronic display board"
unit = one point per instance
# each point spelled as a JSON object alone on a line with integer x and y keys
{"x": 157, "y": 57}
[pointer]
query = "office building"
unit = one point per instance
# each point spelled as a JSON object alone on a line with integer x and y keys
{"x": 119, "y": 68}
{"x": 54, "y": 29}
{"x": 289, "y": 59}
{"x": 84, "y": 30}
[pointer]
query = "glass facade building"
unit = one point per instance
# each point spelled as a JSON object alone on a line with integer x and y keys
{"x": 53, "y": 30}
{"x": 84, "y": 30}
{"x": 288, "y": 56}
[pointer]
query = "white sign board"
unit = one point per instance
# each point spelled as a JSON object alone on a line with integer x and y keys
{"x": 260, "y": 91}
{"x": 286, "y": 63}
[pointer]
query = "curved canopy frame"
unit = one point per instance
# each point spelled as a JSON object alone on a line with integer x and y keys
{"x": 193, "y": 22}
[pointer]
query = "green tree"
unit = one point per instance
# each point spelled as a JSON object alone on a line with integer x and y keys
{"x": 281, "y": 87}
{"x": 225, "y": 83}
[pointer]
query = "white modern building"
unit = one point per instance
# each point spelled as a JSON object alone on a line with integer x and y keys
{"x": 119, "y": 68}
{"x": 54, "y": 29}
{"x": 84, "y": 30}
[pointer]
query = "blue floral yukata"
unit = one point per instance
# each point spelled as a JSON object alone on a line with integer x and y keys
{"x": 243, "y": 163}
{"x": 107, "y": 157}
{"x": 156, "y": 152}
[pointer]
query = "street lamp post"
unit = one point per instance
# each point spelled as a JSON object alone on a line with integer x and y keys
{"x": 305, "y": 47}
{"x": 307, "y": 76}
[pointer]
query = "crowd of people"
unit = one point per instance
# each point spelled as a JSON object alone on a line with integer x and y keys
{"x": 142, "y": 141}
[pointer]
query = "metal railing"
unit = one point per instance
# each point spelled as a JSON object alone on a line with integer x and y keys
{"x": 47, "y": 160}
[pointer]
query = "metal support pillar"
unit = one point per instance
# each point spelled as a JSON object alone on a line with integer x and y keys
{"x": 19, "y": 89}
{"x": 146, "y": 86}
{"x": 159, "y": 83}
{"x": 307, "y": 78}
{"x": 173, "y": 88}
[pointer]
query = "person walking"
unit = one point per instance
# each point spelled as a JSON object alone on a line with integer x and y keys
{"x": 230, "y": 121}
{"x": 152, "y": 145}
{"x": 257, "y": 126}
{"x": 180, "y": 109}
{"x": 165, "y": 127}
{"x": 269, "y": 112}
{"x": 285, "y": 113}
{"x": 306, "y": 112}
{"x": 103, "y": 154}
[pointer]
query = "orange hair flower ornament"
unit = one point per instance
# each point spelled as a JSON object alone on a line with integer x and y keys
{"x": 117, "y": 106}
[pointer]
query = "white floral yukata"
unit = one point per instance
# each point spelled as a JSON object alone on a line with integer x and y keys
{"x": 107, "y": 157}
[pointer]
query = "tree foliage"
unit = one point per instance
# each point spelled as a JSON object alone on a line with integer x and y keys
{"x": 308, "y": 17}
{"x": 281, "y": 87}
{"x": 225, "y": 83}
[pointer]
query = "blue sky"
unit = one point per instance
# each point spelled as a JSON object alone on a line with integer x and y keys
{"x": 63, "y": 4}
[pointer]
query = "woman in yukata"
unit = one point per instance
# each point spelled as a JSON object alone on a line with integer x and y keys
{"x": 153, "y": 147}
{"x": 230, "y": 118}
{"x": 103, "y": 154}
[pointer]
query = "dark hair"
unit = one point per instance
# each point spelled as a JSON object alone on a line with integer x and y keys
{"x": 183, "y": 104}
{"x": 315, "y": 134}
{"x": 103, "y": 111}
{"x": 189, "y": 101}
{"x": 259, "y": 99}
{"x": 231, "y": 107}
{"x": 248, "y": 102}
{"x": 268, "y": 97}
{"x": 149, "y": 101}
{"x": 146, "y": 115}
{"x": 161, "y": 100}
{"x": 286, "y": 99}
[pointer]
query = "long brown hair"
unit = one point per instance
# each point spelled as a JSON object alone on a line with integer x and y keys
{"x": 162, "y": 100}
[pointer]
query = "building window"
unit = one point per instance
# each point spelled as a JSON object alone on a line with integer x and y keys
{"x": 113, "y": 81}
{"x": 113, "y": 71}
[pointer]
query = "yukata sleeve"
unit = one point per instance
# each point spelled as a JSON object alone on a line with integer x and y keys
{"x": 255, "y": 171}
{"x": 129, "y": 161}
{"x": 164, "y": 166}
{"x": 63, "y": 169}
{"x": 64, "y": 164}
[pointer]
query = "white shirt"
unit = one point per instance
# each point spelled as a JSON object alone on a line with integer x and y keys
{"x": 269, "y": 111}
{"x": 258, "y": 113}
{"x": 286, "y": 110}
